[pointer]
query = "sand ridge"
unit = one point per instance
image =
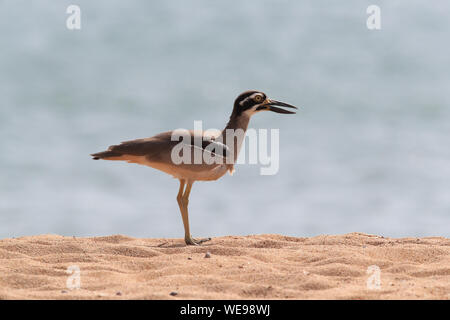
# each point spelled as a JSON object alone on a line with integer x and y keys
{"x": 239, "y": 267}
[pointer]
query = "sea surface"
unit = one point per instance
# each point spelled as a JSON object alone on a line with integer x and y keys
{"x": 368, "y": 151}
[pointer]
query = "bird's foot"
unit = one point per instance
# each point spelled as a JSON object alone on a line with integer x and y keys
{"x": 195, "y": 242}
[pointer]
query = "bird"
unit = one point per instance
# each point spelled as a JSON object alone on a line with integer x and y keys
{"x": 158, "y": 151}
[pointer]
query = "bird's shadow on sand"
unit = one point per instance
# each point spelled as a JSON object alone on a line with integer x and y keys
{"x": 179, "y": 245}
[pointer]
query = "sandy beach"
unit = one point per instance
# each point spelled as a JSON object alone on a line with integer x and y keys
{"x": 232, "y": 267}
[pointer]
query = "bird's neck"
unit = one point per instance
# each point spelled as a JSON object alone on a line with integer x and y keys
{"x": 238, "y": 122}
{"x": 234, "y": 133}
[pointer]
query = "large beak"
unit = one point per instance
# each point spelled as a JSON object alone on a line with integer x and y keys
{"x": 269, "y": 105}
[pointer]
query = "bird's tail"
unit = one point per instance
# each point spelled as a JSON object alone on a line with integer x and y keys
{"x": 105, "y": 155}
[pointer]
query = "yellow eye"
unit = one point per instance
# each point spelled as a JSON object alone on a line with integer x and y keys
{"x": 258, "y": 98}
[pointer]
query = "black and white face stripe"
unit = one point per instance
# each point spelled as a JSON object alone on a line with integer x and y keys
{"x": 248, "y": 100}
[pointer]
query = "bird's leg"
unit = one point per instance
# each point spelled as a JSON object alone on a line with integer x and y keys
{"x": 182, "y": 208}
{"x": 183, "y": 201}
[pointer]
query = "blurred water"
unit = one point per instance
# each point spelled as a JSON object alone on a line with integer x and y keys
{"x": 368, "y": 152}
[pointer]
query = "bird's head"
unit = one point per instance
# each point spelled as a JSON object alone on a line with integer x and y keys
{"x": 251, "y": 102}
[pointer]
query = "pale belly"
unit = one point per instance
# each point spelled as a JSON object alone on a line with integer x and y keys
{"x": 205, "y": 173}
{"x": 192, "y": 172}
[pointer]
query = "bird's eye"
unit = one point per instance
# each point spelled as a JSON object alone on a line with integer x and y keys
{"x": 258, "y": 98}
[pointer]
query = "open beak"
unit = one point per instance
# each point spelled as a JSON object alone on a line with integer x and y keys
{"x": 269, "y": 105}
